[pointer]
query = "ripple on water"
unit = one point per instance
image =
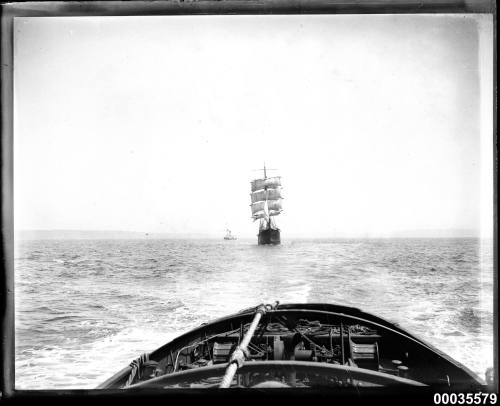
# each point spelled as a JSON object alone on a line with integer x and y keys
{"x": 82, "y": 317}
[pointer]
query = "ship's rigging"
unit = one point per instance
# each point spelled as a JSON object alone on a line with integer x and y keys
{"x": 266, "y": 200}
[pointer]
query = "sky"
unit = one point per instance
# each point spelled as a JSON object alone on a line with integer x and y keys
{"x": 379, "y": 125}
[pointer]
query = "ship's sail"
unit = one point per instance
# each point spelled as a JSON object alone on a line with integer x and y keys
{"x": 260, "y": 215}
{"x": 269, "y": 183}
{"x": 274, "y": 205}
{"x": 269, "y": 194}
{"x": 274, "y": 194}
{"x": 258, "y": 207}
{"x": 257, "y": 184}
{"x": 260, "y": 210}
{"x": 258, "y": 196}
{"x": 266, "y": 199}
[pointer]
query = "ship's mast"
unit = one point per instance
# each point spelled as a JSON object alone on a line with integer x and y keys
{"x": 265, "y": 188}
{"x": 263, "y": 221}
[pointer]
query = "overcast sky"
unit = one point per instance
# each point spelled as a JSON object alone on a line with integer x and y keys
{"x": 377, "y": 124}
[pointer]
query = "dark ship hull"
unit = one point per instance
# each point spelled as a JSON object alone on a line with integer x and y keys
{"x": 269, "y": 236}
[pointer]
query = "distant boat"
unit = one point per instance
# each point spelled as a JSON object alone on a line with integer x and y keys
{"x": 266, "y": 204}
{"x": 229, "y": 236}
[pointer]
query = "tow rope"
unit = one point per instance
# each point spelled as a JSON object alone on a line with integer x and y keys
{"x": 241, "y": 352}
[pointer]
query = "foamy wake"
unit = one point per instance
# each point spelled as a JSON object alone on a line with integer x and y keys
{"x": 91, "y": 363}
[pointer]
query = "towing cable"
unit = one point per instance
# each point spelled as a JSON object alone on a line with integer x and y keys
{"x": 241, "y": 351}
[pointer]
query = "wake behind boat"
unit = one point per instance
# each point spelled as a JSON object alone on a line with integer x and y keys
{"x": 297, "y": 345}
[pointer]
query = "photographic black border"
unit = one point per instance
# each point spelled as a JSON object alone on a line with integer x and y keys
{"x": 194, "y": 7}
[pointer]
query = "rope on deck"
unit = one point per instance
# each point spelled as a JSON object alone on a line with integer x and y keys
{"x": 136, "y": 368}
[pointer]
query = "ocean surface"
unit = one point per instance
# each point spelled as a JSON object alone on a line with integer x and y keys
{"x": 86, "y": 308}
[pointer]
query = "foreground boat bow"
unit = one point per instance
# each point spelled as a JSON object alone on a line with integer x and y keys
{"x": 296, "y": 345}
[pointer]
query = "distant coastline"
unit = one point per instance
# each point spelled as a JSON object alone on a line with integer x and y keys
{"x": 100, "y": 235}
{"x": 116, "y": 234}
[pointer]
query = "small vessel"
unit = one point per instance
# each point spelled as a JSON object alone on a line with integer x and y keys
{"x": 266, "y": 205}
{"x": 322, "y": 346}
{"x": 229, "y": 236}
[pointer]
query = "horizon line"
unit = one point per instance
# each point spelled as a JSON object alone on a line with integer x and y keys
{"x": 30, "y": 234}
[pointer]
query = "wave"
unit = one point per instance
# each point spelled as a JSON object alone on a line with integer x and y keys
{"x": 99, "y": 310}
{"x": 62, "y": 318}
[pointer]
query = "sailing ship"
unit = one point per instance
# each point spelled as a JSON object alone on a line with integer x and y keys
{"x": 266, "y": 205}
{"x": 229, "y": 236}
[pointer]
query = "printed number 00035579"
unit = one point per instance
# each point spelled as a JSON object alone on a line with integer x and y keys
{"x": 478, "y": 398}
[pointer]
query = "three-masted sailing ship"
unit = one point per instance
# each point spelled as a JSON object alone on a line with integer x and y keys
{"x": 266, "y": 205}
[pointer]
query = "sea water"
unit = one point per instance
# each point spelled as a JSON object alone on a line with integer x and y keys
{"x": 85, "y": 308}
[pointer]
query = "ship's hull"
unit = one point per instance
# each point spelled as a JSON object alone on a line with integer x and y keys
{"x": 269, "y": 236}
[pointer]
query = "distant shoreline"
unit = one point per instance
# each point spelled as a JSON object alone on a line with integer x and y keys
{"x": 21, "y": 235}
